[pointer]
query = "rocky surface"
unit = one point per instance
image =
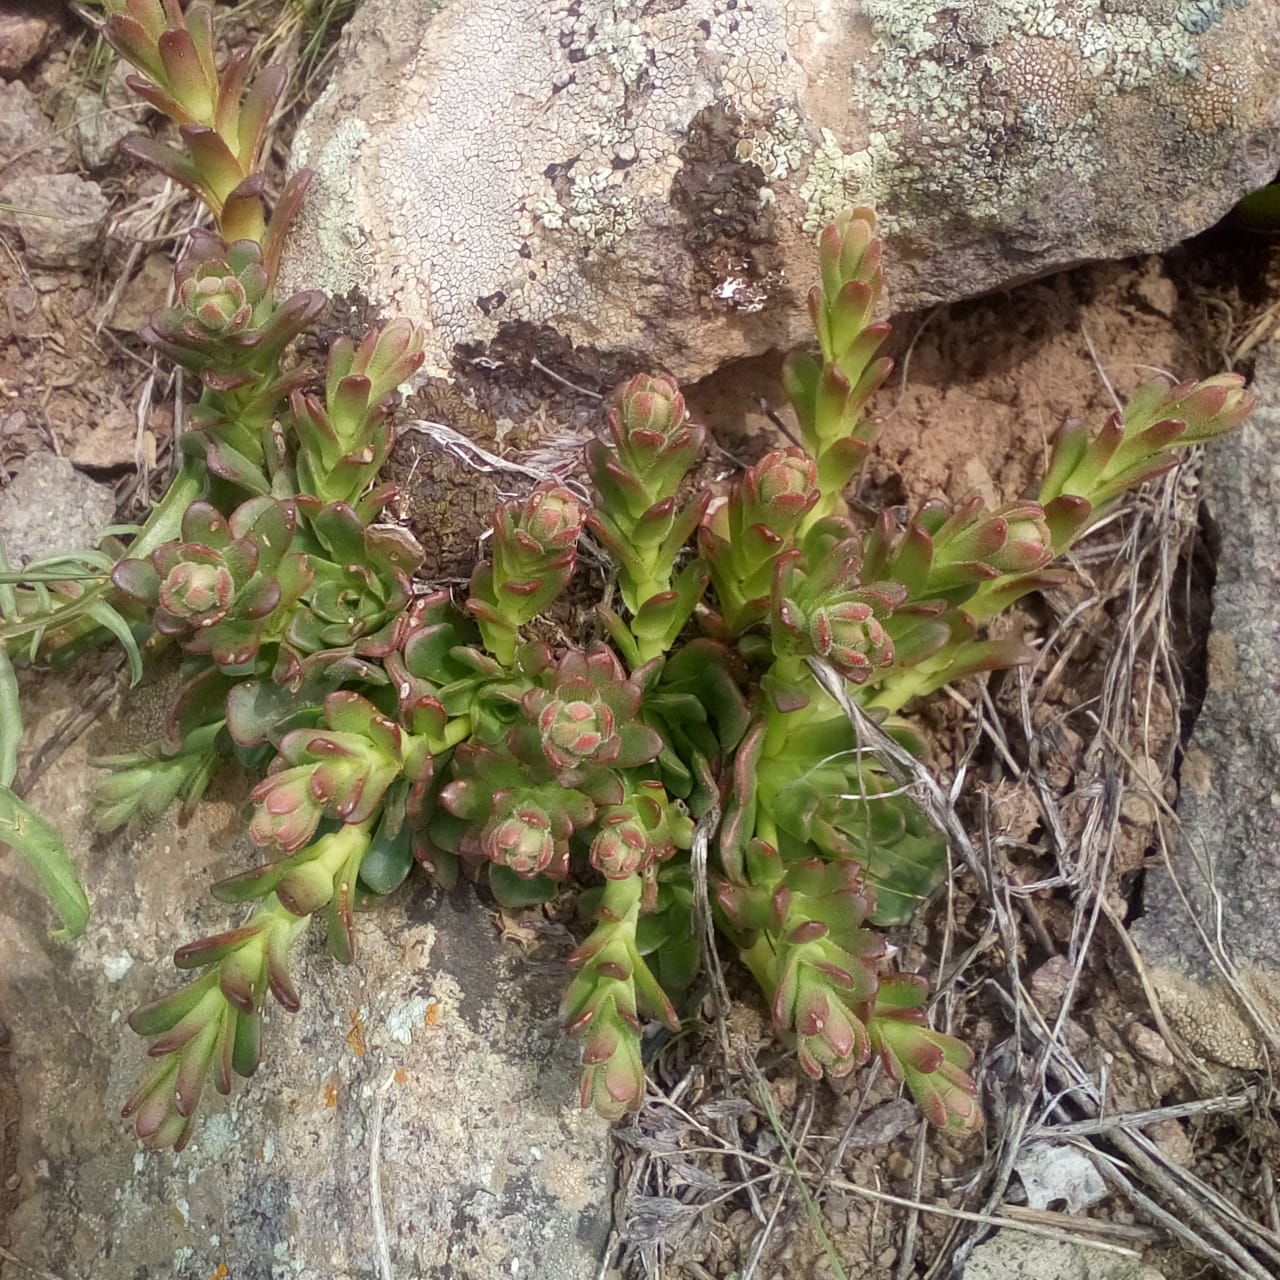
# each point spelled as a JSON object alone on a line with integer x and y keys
{"x": 1228, "y": 865}
{"x": 104, "y": 119}
{"x": 61, "y": 217}
{"x": 1012, "y": 1255}
{"x": 644, "y": 179}
{"x": 439, "y": 1044}
{"x": 29, "y": 144}
{"x": 51, "y": 507}
{"x": 26, "y": 31}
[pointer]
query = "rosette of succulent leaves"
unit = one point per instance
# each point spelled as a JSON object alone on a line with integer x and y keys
{"x": 394, "y": 725}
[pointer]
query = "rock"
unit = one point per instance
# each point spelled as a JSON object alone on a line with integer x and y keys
{"x": 146, "y": 292}
{"x": 26, "y": 31}
{"x": 109, "y": 443}
{"x": 487, "y": 1166}
{"x": 1229, "y": 861}
{"x": 104, "y": 119}
{"x": 1014, "y": 1255}
{"x": 60, "y": 217}
{"x": 1054, "y": 1173}
{"x": 28, "y": 141}
{"x": 51, "y": 507}
{"x": 1050, "y": 983}
{"x": 644, "y": 179}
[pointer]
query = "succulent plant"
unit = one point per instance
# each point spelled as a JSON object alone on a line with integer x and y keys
{"x": 744, "y": 539}
{"x": 219, "y": 588}
{"x": 347, "y": 437}
{"x": 535, "y": 547}
{"x": 830, "y": 395}
{"x": 585, "y": 721}
{"x": 613, "y": 988}
{"x": 932, "y": 1065}
{"x": 340, "y": 770}
{"x": 213, "y": 1027}
{"x": 388, "y": 725}
{"x": 827, "y": 611}
{"x": 638, "y": 516}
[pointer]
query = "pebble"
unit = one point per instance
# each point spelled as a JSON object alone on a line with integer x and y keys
{"x": 26, "y": 32}
{"x": 51, "y": 507}
{"x": 28, "y": 141}
{"x": 104, "y": 120}
{"x": 60, "y": 217}
{"x": 1148, "y": 1044}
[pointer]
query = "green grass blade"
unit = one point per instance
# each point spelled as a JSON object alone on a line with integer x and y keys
{"x": 105, "y": 616}
{"x": 28, "y": 834}
{"x": 10, "y": 720}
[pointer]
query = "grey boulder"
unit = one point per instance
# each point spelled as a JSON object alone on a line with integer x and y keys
{"x": 643, "y": 180}
{"x": 1226, "y": 857}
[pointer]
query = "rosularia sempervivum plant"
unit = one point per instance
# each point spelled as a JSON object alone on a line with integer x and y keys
{"x": 395, "y": 725}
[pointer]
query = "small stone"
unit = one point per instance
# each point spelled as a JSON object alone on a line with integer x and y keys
{"x": 51, "y": 507}
{"x": 145, "y": 293}
{"x": 1049, "y": 985}
{"x": 1145, "y": 789}
{"x": 1157, "y": 291}
{"x": 104, "y": 120}
{"x": 885, "y": 1123}
{"x": 25, "y": 35}
{"x": 1148, "y": 1044}
{"x": 59, "y": 216}
{"x": 28, "y": 141}
{"x": 1172, "y": 1139}
{"x": 21, "y": 300}
{"x": 109, "y": 444}
{"x": 1014, "y": 1254}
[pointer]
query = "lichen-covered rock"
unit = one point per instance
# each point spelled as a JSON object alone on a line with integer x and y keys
{"x": 1227, "y": 859}
{"x": 643, "y": 178}
{"x": 439, "y": 1040}
{"x": 1013, "y": 1255}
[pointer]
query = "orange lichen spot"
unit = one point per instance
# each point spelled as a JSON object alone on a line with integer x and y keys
{"x": 355, "y": 1037}
{"x": 432, "y": 1015}
{"x": 400, "y": 1076}
{"x": 220, "y": 1272}
{"x": 331, "y": 1094}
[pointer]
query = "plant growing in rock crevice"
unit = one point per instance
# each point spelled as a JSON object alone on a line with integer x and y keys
{"x": 394, "y": 725}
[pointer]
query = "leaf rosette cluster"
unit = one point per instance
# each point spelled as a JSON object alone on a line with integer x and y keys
{"x": 390, "y": 725}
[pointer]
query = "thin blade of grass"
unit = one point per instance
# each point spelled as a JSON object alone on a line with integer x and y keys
{"x": 10, "y": 719}
{"x": 40, "y": 844}
{"x": 105, "y": 616}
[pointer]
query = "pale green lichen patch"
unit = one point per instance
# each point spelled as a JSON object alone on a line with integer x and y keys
{"x": 781, "y": 145}
{"x": 596, "y": 205}
{"x": 837, "y": 179}
{"x": 1004, "y": 96}
{"x": 622, "y": 44}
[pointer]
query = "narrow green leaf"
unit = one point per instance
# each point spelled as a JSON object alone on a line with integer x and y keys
{"x": 29, "y": 835}
{"x": 105, "y": 616}
{"x": 10, "y": 719}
